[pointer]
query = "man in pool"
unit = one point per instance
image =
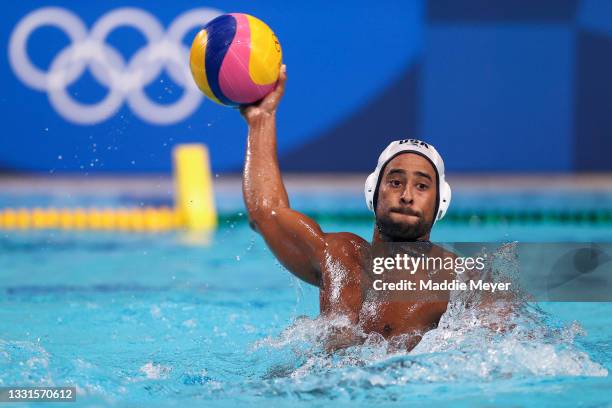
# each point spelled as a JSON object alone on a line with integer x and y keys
{"x": 407, "y": 193}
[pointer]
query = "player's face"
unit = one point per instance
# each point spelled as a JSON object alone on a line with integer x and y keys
{"x": 406, "y": 198}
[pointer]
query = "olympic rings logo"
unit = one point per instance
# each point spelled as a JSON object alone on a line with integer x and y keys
{"x": 125, "y": 81}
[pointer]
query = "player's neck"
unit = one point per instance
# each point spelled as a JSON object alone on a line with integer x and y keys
{"x": 379, "y": 238}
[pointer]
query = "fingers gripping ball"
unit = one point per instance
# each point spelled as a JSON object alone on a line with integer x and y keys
{"x": 235, "y": 59}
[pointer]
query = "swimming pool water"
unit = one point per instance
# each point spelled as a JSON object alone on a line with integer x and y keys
{"x": 173, "y": 319}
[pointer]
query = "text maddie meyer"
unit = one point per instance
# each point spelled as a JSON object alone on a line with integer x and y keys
{"x": 429, "y": 285}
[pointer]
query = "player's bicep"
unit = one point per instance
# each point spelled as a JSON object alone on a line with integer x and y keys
{"x": 295, "y": 239}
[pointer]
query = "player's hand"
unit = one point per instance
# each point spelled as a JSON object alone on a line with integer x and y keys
{"x": 268, "y": 105}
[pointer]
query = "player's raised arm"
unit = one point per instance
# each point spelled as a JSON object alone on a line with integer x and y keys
{"x": 296, "y": 240}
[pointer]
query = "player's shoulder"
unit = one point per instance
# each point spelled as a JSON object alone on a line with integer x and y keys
{"x": 346, "y": 249}
{"x": 346, "y": 241}
{"x": 441, "y": 251}
{"x": 346, "y": 237}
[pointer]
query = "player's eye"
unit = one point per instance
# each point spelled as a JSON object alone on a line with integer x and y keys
{"x": 395, "y": 183}
{"x": 422, "y": 186}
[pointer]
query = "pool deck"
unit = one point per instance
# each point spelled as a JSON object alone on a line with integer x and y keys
{"x": 154, "y": 185}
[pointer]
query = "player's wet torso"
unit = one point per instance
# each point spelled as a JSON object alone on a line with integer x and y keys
{"x": 346, "y": 277}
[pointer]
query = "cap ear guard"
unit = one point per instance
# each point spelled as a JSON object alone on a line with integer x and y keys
{"x": 370, "y": 186}
{"x": 445, "y": 199}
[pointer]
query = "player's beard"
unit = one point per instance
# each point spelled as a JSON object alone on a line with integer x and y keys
{"x": 402, "y": 231}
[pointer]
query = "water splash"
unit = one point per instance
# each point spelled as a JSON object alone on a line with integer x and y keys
{"x": 154, "y": 371}
{"x": 24, "y": 360}
{"x": 474, "y": 341}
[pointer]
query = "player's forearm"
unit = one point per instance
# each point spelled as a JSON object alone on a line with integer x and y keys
{"x": 262, "y": 185}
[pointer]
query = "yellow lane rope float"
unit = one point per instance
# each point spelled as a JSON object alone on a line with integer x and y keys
{"x": 194, "y": 205}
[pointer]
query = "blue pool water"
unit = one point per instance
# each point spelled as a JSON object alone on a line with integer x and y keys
{"x": 177, "y": 320}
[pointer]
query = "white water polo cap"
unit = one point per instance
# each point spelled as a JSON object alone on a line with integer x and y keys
{"x": 443, "y": 196}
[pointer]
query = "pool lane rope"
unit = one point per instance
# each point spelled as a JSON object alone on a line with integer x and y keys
{"x": 194, "y": 207}
{"x": 195, "y": 210}
{"x": 463, "y": 216}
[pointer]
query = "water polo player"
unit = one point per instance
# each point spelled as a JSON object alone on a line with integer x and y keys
{"x": 407, "y": 193}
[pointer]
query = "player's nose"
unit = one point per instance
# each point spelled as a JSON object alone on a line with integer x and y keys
{"x": 407, "y": 197}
